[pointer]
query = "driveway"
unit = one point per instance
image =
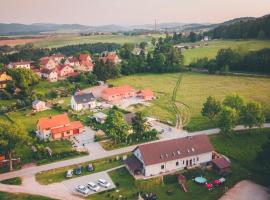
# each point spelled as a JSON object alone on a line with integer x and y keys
{"x": 71, "y": 184}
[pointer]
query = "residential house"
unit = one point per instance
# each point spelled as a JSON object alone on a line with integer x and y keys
{"x": 100, "y": 117}
{"x": 50, "y": 75}
{"x": 58, "y": 57}
{"x": 146, "y": 94}
{"x": 58, "y": 127}
{"x": 83, "y": 101}
{"x": 64, "y": 71}
{"x": 73, "y": 62}
{"x": 4, "y": 79}
{"x": 170, "y": 156}
{"x": 47, "y": 62}
{"x": 86, "y": 63}
{"x": 110, "y": 57}
{"x": 117, "y": 93}
{"x": 38, "y": 105}
{"x": 20, "y": 65}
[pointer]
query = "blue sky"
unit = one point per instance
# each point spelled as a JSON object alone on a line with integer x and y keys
{"x": 128, "y": 12}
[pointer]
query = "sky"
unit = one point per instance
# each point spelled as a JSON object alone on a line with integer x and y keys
{"x": 128, "y": 12}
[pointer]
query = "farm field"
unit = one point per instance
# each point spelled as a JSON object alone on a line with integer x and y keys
{"x": 77, "y": 39}
{"x": 14, "y": 196}
{"x": 240, "y": 148}
{"x": 193, "y": 91}
{"x": 211, "y": 50}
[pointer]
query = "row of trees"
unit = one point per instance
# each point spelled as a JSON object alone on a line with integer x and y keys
{"x": 232, "y": 60}
{"x": 232, "y": 111}
{"x": 254, "y": 28}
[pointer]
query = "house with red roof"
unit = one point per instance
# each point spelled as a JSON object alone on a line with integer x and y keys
{"x": 47, "y": 62}
{"x": 64, "y": 71}
{"x": 146, "y": 94}
{"x": 169, "y": 156}
{"x": 86, "y": 63}
{"x": 20, "y": 65}
{"x": 85, "y": 57}
{"x": 48, "y": 74}
{"x": 110, "y": 57}
{"x": 118, "y": 93}
{"x": 73, "y": 62}
{"x": 58, "y": 127}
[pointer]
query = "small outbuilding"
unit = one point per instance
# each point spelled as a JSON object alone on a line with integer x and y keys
{"x": 38, "y": 105}
{"x": 221, "y": 165}
{"x": 100, "y": 117}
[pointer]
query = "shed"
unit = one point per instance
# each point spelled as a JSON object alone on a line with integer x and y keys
{"x": 222, "y": 165}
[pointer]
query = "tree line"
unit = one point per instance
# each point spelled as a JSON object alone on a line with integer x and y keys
{"x": 254, "y": 28}
{"x": 236, "y": 60}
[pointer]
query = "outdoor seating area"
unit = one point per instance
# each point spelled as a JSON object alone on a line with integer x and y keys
{"x": 209, "y": 184}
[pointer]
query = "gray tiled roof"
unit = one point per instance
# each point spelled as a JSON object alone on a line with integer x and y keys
{"x": 84, "y": 98}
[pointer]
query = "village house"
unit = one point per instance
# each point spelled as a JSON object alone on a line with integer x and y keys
{"x": 4, "y": 79}
{"x": 47, "y": 63}
{"x": 170, "y": 156}
{"x": 110, "y": 57}
{"x": 83, "y": 101}
{"x": 38, "y": 105}
{"x": 64, "y": 71}
{"x": 58, "y": 57}
{"x": 50, "y": 75}
{"x": 86, "y": 63}
{"x": 100, "y": 117}
{"x": 117, "y": 93}
{"x": 73, "y": 62}
{"x": 58, "y": 127}
{"x": 146, "y": 94}
{"x": 20, "y": 65}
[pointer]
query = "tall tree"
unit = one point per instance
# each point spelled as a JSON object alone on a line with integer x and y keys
{"x": 234, "y": 101}
{"x": 116, "y": 126}
{"x": 211, "y": 108}
{"x": 252, "y": 115}
{"x": 227, "y": 119}
{"x": 11, "y": 136}
{"x": 139, "y": 123}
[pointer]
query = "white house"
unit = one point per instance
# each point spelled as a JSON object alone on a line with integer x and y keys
{"x": 83, "y": 101}
{"x": 170, "y": 155}
{"x": 20, "y": 65}
{"x": 38, "y": 105}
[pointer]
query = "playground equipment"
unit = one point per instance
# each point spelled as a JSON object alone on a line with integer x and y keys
{"x": 182, "y": 182}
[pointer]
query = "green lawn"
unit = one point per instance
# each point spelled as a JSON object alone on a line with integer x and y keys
{"x": 14, "y": 196}
{"x": 240, "y": 148}
{"x": 193, "y": 91}
{"x": 64, "y": 40}
{"x": 211, "y": 50}
{"x": 58, "y": 175}
{"x": 13, "y": 181}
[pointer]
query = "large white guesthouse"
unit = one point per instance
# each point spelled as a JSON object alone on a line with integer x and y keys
{"x": 170, "y": 155}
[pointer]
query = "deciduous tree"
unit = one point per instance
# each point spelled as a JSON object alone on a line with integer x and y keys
{"x": 252, "y": 115}
{"x": 227, "y": 119}
{"x": 211, "y": 108}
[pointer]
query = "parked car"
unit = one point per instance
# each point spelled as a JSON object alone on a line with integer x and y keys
{"x": 78, "y": 170}
{"x": 104, "y": 183}
{"x": 82, "y": 189}
{"x": 69, "y": 173}
{"x": 93, "y": 186}
{"x": 90, "y": 167}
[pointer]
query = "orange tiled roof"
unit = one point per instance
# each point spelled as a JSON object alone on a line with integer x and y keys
{"x": 84, "y": 56}
{"x": 53, "y": 121}
{"x": 70, "y": 126}
{"x": 118, "y": 90}
{"x": 146, "y": 92}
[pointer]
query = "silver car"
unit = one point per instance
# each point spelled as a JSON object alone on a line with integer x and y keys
{"x": 93, "y": 186}
{"x": 69, "y": 173}
{"x": 82, "y": 189}
{"x": 104, "y": 183}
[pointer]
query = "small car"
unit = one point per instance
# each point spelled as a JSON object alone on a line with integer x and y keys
{"x": 93, "y": 186}
{"x": 82, "y": 189}
{"x": 104, "y": 183}
{"x": 90, "y": 167}
{"x": 69, "y": 173}
{"x": 78, "y": 170}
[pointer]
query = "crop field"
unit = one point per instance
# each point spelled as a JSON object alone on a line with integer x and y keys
{"x": 211, "y": 50}
{"x": 193, "y": 91}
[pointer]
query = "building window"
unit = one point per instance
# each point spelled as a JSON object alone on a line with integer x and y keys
{"x": 162, "y": 166}
{"x": 177, "y": 163}
{"x": 197, "y": 158}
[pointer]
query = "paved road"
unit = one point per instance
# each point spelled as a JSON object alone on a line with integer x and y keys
{"x": 103, "y": 154}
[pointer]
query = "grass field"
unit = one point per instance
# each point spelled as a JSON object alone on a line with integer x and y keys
{"x": 64, "y": 40}
{"x": 211, "y": 50}
{"x": 14, "y": 196}
{"x": 240, "y": 148}
{"x": 194, "y": 90}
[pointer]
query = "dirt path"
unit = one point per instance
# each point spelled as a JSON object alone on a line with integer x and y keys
{"x": 246, "y": 190}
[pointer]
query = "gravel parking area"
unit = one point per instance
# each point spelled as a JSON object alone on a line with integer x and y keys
{"x": 72, "y": 183}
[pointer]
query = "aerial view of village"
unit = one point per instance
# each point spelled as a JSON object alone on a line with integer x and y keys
{"x": 134, "y": 100}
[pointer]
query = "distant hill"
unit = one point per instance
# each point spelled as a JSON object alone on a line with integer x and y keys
{"x": 243, "y": 28}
